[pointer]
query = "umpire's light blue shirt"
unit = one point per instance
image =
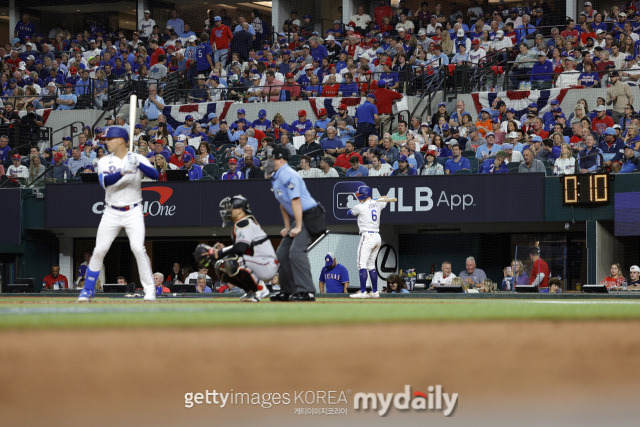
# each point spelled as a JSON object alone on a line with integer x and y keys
{"x": 288, "y": 185}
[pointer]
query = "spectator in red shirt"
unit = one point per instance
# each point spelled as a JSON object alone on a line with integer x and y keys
{"x": 604, "y": 63}
{"x": 602, "y": 121}
{"x": 291, "y": 87}
{"x": 220, "y": 40}
{"x": 153, "y": 46}
{"x": 176, "y": 158}
{"x": 571, "y": 32}
{"x": 331, "y": 88}
{"x": 540, "y": 271}
{"x": 55, "y": 278}
{"x": 538, "y": 128}
{"x": 381, "y": 11}
{"x": 343, "y": 159}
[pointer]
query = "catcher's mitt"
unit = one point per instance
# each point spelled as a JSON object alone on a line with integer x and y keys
{"x": 204, "y": 255}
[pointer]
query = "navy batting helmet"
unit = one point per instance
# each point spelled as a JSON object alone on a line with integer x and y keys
{"x": 116, "y": 132}
{"x": 363, "y": 193}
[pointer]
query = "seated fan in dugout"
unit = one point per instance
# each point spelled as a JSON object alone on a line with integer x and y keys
{"x": 251, "y": 259}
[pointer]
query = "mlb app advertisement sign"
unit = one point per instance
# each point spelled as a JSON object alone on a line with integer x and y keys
{"x": 429, "y": 199}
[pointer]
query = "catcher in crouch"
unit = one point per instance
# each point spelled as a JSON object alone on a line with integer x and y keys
{"x": 251, "y": 260}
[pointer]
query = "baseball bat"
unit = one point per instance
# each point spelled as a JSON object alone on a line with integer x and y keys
{"x": 133, "y": 106}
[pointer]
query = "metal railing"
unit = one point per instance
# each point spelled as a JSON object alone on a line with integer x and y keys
{"x": 599, "y": 162}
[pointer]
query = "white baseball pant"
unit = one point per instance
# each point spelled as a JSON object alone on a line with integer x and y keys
{"x": 368, "y": 250}
{"x": 110, "y": 225}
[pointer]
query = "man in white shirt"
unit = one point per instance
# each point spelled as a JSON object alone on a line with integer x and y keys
{"x": 145, "y": 26}
{"x": 361, "y": 19}
{"x": 378, "y": 168}
{"x": 17, "y": 170}
{"x": 306, "y": 171}
{"x": 631, "y": 72}
{"x": 569, "y": 77}
{"x": 443, "y": 277}
{"x": 477, "y": 54}
{"x": 194, "y": 275}
{"x": 326, "y": 171}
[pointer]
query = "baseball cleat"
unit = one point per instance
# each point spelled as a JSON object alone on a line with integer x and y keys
{"x": 360, "y": 295}
{"x": 262, "y": 293}
{"x": 86, "y": 295}
{"x": 280, "y": 296}
{"x": 150, "y": 296}
{"x": 303, "y": 296}
{"x": 374, "y": 295}
{"x": 249, "y": 297}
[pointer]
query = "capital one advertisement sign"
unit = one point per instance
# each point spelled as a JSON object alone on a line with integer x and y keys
{"x": 429, "y": 199}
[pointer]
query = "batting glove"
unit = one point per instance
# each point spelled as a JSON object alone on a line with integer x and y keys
{"x": 129, "y": 168}
{"x": 133, "y": 159}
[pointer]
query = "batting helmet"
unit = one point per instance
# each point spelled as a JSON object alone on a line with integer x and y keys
{"x": 228, "y": 204}
{"x": 363, "y": 193}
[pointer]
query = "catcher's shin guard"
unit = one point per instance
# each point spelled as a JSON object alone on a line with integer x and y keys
{"x": 230, "y": 270}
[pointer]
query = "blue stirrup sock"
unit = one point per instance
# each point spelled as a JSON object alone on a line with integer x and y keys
{"x": 363, "y": 280}
{"x": 90, "y": 280}
{"x": 374, "y": 280}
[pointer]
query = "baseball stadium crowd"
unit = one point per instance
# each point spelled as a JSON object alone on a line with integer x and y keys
{"x": 370, "y": 56}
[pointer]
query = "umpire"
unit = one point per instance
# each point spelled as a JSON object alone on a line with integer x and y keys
{"x": 303, "y": 220}
{"x": 366, "y": 120}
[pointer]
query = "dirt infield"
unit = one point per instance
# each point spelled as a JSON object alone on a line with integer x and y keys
{"x": 531, "y": 372}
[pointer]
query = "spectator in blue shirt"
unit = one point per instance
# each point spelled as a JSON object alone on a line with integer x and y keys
{"x": 321, "y": 125}
{"x": 262, "y": 123}
{"x": 195, "y": 171}
{"x": 68, "y": 100}
{"x": 390, "y": 78}
{"x": 457, "y": 162}
{"x": 629, "y": 161}
{"x": 542, "y": 73}
{"x": 612, "y": 145}
{"x": 403, "y": 167}
{"x": 356, "y": 169}
{"x": 588, "y": 158}
{"x": 496, "y": 165}
{"x": 348, "y": 87}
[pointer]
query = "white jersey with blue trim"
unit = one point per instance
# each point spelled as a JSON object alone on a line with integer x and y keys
{"x": 368, "y": 213}
{"x": 127, "y": 190}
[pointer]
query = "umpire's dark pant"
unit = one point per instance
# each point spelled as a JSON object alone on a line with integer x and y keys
{"x": 295, "y": 271}
{"x": 363, "y": 131}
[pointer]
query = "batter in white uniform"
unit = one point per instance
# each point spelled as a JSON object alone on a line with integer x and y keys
{"x": 368, "y": 213}
{"x": 250, "y": 260}
{"x": 120, "y": 174}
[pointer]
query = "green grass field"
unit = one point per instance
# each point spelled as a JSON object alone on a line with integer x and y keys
{"x": 44, "y": 313}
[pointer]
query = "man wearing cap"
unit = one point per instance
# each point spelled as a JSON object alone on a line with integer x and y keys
{"x": 404, "y": 169}
{"x": 233, "y": 173}
{"x": 634, "y": 278}
{"x": 322, "y": 123}
{"x": 221, "y": 37}
{"x": 602, "y": 121}
{"x": 60, "y": 171}
{"x": 145, "y": 26}
{"x": 262, "y": 123}
{"x": 300, "y": 126}
{"x": 488, "y": 149}
{"x": 629, "y": 161}
{"x": 496, "y": 165}
{"x": 184, "y": 129}
{"x": 542, "y": 73}
{"x": 290, "y": 89}
{"x": 67, "y": 100}
{"x": 200, "y": 92}
{"x": 17, "y": 170}
{"x": 569, "y": 77}
{"x": 204, "y": 55}
{"x": 334, "y": 277}
{"x": 366, "y": 120}
{"x": 302, "y": 217}
{"x": 342, "y": 115}
{"x": 619, "y": 95}
{"x": 194, "y": 171}
{"x": 613, "y": 148}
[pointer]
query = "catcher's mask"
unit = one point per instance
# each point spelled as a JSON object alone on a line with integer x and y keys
{"x": 229, "y": 203}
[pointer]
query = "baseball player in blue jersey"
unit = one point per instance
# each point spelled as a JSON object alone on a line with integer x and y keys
{"x": 334, "y": 277}
{"x": 368, "y": 213}
{"x": 120, "y": 174}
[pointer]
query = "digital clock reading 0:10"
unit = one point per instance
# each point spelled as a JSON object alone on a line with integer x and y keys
{"x": 586, "y": 190}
